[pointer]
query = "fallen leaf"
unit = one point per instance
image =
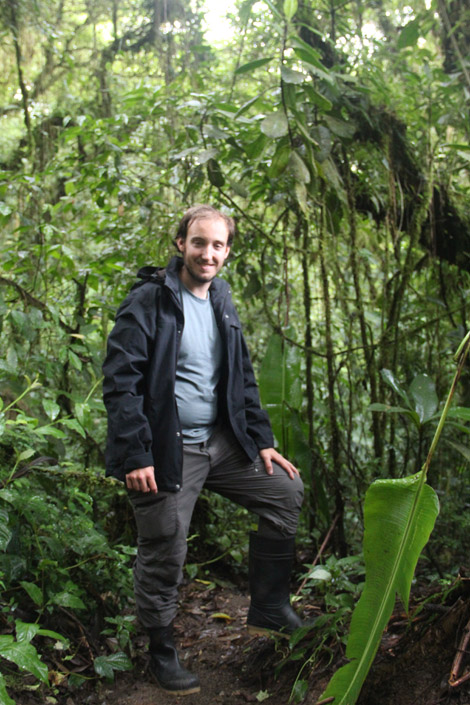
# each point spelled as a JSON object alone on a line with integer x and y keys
{"x": 222, "y": 615}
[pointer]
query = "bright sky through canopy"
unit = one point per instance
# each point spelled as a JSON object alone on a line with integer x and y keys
{"x": 218, "y": 27}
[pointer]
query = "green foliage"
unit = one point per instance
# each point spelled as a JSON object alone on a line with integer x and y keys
{"x": 22, "y": 653}
{"x": 420, "y": 399}
{"x": 281, "y": 393}
{"x": 340, "y": 143}
{"x": 55, "y": 555}
{"x": 122, "y": 628}
{"x": 54, "y": 535}
{"x": 208, "y": 545}
{"x": 106, "y": 665}
{"x": 399, "y": 516}
{"x": 339, "y": 582}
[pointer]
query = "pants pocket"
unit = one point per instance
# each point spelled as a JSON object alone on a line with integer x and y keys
{"x": 155, "y": 516}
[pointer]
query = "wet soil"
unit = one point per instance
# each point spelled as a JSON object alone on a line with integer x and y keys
{"x": 412, "y": 667}
{"x": 233, "y": 667}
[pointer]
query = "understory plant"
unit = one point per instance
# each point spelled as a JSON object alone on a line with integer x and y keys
{"x": 64, "y": 563}
{"x": 399, "y": 516}
{"x": 338, "y": 583}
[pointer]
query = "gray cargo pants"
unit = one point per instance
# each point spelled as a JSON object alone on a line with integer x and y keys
{"x": 163, "y": 519}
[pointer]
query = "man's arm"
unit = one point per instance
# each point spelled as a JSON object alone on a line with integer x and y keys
{"x": 124, "y": 369}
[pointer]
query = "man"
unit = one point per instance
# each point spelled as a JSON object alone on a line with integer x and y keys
{"x": 183, "y": 414}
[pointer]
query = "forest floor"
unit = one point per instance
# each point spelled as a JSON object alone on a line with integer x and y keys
{"x": 412, "y": 666}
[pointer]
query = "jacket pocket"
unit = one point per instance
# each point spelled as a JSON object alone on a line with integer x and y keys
{"x": 155, "y": 516}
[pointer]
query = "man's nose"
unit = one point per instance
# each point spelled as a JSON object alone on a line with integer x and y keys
{"x": 208, "y": 252}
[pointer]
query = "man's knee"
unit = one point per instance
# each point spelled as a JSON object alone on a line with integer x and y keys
{"x": 292, "y": 489}
{"x": 285, "y": 504}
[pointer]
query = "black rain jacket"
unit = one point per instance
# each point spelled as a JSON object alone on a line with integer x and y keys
{"x": 139, "y": 379}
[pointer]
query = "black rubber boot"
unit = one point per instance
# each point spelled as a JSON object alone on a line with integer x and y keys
{"x": 165, "y": 667}
{"x": 269, "y": 569}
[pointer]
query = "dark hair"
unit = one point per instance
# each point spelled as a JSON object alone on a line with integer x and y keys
{"x": 199, "y": 212}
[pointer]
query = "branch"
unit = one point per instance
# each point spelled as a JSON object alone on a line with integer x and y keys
{"x": 21, "y": 81}
{"x": 37, "y": 303}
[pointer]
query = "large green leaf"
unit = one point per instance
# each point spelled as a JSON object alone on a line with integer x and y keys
{"x": 399, "y": 516}
{"x": 291, "y": 76}
{"x": 378, "y": 406}
{"x": 214, "y": 173}
{"x": 280, "y": 160}
{"x": 390, "y": 379}
{"x": 290, "y": 8}
{"x": 410, "y": 34}
{"x": 271, "y": 381}
{"x": 279, "y": 376}
{"x": 275, "y": 125}
{"x": 51, "y": 408}
{"x": 307, "y": 53}
{"x": 279, "y": 386}
{"x": 34, "y": 591}
{"x": 423, "y": 391}
{"x": 459, "y": 412}
{"x": 319, "y": 100}
{"x": 67, "y": 599}
{"x": 298, "y": 168}
{"x": 252, "y": 65}
{"x": 26, "y": 631}
{"x": 24, "y": 655}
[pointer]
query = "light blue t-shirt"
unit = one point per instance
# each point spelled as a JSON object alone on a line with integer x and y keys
{"x": 198, "y": 368}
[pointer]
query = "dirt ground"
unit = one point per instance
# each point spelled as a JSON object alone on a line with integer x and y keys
{"x": 233, "y": 667}
{"x": 412, "y": 666}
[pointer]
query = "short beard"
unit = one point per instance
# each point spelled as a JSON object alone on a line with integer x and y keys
{"x": 195, "y": 277}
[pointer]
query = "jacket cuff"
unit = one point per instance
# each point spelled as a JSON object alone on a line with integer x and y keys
{"x": 264, "y": 437}
{"x": 134, "y": 462}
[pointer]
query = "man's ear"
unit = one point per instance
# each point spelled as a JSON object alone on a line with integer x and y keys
{"x": 180, "y": 244}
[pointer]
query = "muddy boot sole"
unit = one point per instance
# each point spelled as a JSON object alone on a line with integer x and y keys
{"x": 265, "y": 631}
{"x": 190, "y": 690}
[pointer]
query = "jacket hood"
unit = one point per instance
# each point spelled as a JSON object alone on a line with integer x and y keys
{"x": 150, "y": 272}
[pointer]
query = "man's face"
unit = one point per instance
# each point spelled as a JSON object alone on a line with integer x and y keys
{"x": 204, "y": 251}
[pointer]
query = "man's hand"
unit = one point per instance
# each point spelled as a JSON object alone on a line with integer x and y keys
{"x": 142, "y": 480}
{"x": 269, "y": 454}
